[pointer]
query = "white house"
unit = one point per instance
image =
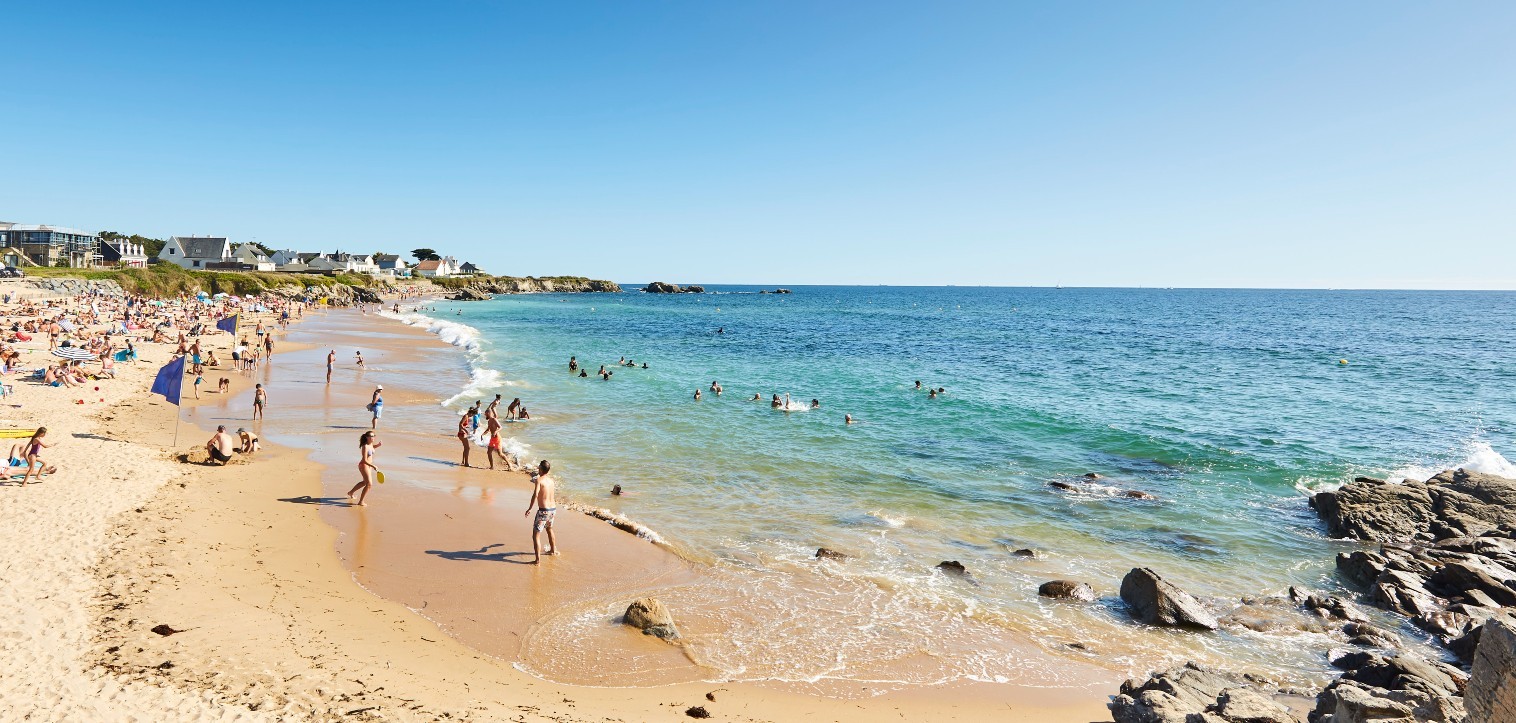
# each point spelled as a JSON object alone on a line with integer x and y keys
{"x": 195, "y": 252}
{"x": 250, "y": 255}
{"x": 435, "y": 269}
{"x": 392, "y": 265}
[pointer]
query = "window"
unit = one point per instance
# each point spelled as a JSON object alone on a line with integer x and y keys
{"x": 170, "y": 252}
{"x": 197, "y": 264}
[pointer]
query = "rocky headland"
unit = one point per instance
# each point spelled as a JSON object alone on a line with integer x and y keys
{"x": 1445, "y": 564}
{"x": 486, "y": 288}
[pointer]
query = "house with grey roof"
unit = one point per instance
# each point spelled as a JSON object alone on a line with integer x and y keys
{"x": 196, "y": 252}
{"x": 253, "y": 256}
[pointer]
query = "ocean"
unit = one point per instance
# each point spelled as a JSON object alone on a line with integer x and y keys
{"x": 1224, "y": 408}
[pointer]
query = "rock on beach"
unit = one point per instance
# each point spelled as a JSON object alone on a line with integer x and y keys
{"x": 1156, "y": 601}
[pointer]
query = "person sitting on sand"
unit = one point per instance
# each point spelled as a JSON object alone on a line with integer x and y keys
{"x": 366, "y": 469}
{"x": 547, "y": 508}
{"x": 34, "y": 462}
{"x": 220, "y": 446}
{"x": 248, "y": 440}
{"x": 211, "y": 360}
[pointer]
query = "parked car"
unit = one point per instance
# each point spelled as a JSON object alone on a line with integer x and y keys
{"x": 14, "y": 272}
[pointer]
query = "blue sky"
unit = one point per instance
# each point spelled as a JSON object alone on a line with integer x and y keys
{"x": 1173, "y": 144}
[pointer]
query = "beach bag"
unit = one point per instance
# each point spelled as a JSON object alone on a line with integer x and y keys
{"x": 369, "y": 406}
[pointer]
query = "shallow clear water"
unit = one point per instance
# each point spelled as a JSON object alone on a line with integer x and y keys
{"x": 1226, "y": 405}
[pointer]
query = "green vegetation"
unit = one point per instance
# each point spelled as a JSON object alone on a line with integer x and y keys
{"x": 425, "y": 255}
{"x": 168, "y": 279}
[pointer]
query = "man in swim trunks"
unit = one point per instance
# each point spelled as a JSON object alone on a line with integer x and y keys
{"x": 220, "y": 445}
{"x": 547, "y": 508}
{"x": 492, "y": 429}
{"x": 331, "y": 358}
{"x": 260, "y": 400}
{"x": 248, "y": 440}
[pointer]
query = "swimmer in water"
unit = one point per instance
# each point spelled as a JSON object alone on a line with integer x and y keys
{"x": 932, "y": 394}
{"x": 776, "y": 403}
{"x": 644, "y": 365}
{"x": 756, "y": 397}
{"x": 573, "y": 364}
{"x": 847, "y": 419}
{"x": 583, "y": 373}
{"x": 716, "y": 388}
{"x": 815, "y": 404}
{"x": 616, "y": 490}
{"x": 697, "y": 395}
{"x": 918, "y": 385}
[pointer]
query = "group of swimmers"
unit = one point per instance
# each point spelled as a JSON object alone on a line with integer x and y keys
{"x": 604, "y": 374}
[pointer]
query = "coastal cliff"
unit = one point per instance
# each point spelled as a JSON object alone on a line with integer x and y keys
{"x": 481, "y": 289}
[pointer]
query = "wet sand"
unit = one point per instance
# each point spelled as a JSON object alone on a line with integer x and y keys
{"x": 241, "y": 558}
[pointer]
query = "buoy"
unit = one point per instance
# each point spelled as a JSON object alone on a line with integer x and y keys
{"x": 1342, "y": 361}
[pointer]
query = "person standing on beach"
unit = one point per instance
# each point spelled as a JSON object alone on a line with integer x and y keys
{"x": 492, "y": 432}
{"x": 34, "y": 461}
{"x": 376, "y": 405}
{"x": 260, "y": 399}
{"x": 331, "y": 358}
{"x": 360, "y": 359}
{"x": 547, "y": 507}
{"x": 463, "y": 432}
{"x": 366, "y": 469}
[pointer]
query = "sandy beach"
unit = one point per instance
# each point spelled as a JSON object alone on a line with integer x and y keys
{"x": 271, "y": 624}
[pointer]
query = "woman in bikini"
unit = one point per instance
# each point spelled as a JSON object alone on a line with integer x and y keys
{"x": 366, "y": 469}
{"x": 463, "y": 433}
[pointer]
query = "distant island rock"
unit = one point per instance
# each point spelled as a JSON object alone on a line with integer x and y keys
{"x": 776, "y": 291}
{"x": 659, "y": 287}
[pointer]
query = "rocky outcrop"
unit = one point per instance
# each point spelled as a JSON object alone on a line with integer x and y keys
{"x": 659, "y": 287}
{"x": 1454, "y": 503}
{"x": 70, "y": 286}
{"x": 1067, "y": 590}
{"x": 1192, "y": 693}
{"x": 1491, "y": 689}
{"x": 1396, "y": 688}
{"x": 1155, "y": 601}
{"x": 471, "y": 294}
{"x": 651, "y": 617}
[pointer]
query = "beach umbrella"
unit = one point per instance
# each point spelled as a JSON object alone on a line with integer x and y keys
{"x": 66, "y": 325}
{"x": 222, "y": 295}
{"x": 73, "y": 353}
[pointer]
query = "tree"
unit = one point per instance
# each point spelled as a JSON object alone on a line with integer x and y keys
{"x": 425, "y": 255}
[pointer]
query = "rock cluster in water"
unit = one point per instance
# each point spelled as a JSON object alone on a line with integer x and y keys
{"x": 1446, "y": 561}
{"x": 659, "y": 287}
{"x": 485, "y": 290}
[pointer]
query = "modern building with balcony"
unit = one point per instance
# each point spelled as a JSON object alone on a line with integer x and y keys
{"x": 52, "y": 245}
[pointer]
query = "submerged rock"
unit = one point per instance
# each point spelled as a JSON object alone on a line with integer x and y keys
{"x": 826, "y": 553}
{"x": 651, "y": 617}
{"x": 953, "y": 567}
{"x": 1067, "y": 590}
{"x": 1155, "y": 601}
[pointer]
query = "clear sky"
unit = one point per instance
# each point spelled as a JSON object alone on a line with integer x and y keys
{"x": 1311, "y": 144}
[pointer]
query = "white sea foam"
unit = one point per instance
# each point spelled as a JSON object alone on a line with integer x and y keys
{"x": 1474, "y": 456}
{"x": 482, "y": 379}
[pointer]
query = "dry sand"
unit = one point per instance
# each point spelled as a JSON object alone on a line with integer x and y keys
{"x": 274, "y": 627}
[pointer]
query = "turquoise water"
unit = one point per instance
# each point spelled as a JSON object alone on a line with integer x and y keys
{"x": 1227, "y": 406}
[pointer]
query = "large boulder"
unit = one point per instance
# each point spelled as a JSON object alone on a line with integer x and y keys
{"x": 1456, "y": 503}
{"x": 651, "y": 617}
{"x": 658, "y": 287}
{"x": 1491, "y": 690}
{"x": 1155, "y": 601}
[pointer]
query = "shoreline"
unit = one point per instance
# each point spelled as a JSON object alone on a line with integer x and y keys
{"x": 375, "y": 631}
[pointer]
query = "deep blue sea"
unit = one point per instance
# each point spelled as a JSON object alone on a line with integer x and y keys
{"x": 1226, "y": 406}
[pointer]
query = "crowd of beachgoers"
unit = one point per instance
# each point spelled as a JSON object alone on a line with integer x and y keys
{"x": 72, "y": 343}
